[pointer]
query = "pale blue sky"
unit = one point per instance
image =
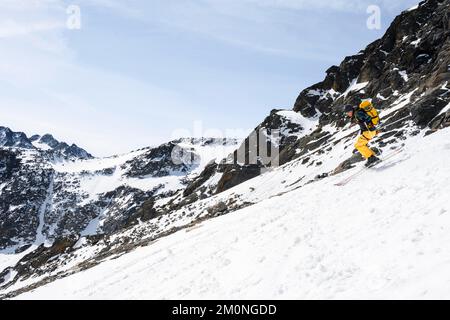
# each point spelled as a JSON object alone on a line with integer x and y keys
{"x": 139, "y": 71}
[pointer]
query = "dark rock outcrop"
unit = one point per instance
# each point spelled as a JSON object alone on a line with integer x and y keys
{"x": 9, "y": 138}
{"x": 167, "y": 159}
{"x": 60, "y": 150}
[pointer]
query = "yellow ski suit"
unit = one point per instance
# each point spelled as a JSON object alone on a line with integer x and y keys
{"x": 363, "y": 140}
{"x": 367, "y": 117}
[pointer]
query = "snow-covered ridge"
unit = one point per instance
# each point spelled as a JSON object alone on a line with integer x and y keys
{"x": 94, "y": 182}
{"x": 95, "y": 163}
{"x": 306, "y": 124}
{"x": 354, "y": 86}
{"x": 47, "y": 144}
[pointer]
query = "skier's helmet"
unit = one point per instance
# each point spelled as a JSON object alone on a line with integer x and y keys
{"x": 348, "y": 108}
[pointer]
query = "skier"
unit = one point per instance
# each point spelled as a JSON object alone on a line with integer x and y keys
{"x": 367, "y": 117}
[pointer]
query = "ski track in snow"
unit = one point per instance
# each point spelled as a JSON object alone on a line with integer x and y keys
{"x": 384, "y": 235}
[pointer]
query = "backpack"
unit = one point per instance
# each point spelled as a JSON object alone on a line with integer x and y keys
{"x": 369, "y": 109}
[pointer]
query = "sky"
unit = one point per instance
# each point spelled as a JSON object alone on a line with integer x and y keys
{"x": 139, "y": 73}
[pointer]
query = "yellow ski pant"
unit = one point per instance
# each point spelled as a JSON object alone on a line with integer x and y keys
{"x": 363, "y": 140}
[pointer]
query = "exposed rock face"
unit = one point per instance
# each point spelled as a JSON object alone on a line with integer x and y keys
{"x": 23, "y": 189}
{"x": 414, "y": 53}
{"x": 160, "y": 162}
{"x": 8, "y": 164}
{"x": 270, "y": 140}
{"x": 59, "y": 150}
{"x": 209, "y": 171}
{"x": 8, "y": 138}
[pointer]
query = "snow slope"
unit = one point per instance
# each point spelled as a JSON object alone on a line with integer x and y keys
{"x": 384, "y": 235}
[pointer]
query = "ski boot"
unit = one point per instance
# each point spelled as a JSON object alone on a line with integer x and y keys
{"x": 373, "y": 160}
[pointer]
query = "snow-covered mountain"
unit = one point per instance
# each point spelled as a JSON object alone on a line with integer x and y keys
{"x": 43, "y": 199}
{"x": 59, "y": 150}
{"x": 8, "y": 138}
{"x": 53, "y": 149}
{"x": 300, "y": 246}
{"x": 288, "y": 230}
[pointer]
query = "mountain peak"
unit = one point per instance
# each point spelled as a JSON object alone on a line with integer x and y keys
{"x": 9, "y": 138}
{"x": 46, "y": 143}
{"x": 49, "y": 140}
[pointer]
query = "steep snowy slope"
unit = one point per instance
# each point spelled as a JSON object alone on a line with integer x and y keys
{"x": 385, "y": 235}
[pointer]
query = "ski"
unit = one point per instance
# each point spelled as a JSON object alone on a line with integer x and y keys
{"x": 349, "y": 178}
{"x": 390, "y": 155}
{"x": 362, "y": 170}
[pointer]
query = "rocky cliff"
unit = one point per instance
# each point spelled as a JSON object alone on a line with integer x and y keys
{"x": 409, "y": 67}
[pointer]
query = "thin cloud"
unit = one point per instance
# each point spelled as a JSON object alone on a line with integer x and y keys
{"x": 350, "y": 6}
{"x": 24, "y": 17}
{"x": 239, "y": 24}
{"x": 127, "y": 9}
{"x": 12, "y": 28}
